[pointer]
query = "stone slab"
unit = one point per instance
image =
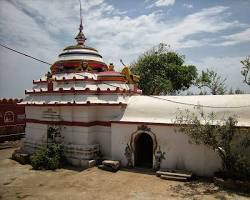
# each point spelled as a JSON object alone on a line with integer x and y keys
{"x": 22, "y": 158}
{"x": 176, "y": 173}
{"x": 92, "y": 163}
{"x": 173, "y": 178}
{"x": 111, "y": 163}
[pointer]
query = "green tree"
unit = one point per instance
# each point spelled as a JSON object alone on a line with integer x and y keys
{"x": 210, "y": 80}
{"x": 231, "y": 142}
{"x": 245, "y": 70}
{"x": 162, "y": 71}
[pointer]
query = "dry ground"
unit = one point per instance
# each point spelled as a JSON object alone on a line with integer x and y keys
{"x": 21, "y": 182}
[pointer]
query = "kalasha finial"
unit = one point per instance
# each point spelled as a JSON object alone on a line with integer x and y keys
{"x": 80, "y": 38}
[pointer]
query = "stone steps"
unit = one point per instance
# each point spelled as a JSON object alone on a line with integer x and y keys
{"x": 173, "y": 178}
{"x": 177, "y": 175}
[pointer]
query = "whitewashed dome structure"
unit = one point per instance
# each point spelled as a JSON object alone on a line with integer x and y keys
{"x": 80, "y": 96}
{"x": 98, "y": 110}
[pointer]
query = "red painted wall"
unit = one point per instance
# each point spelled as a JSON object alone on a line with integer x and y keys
{"x": 12, "y": 116}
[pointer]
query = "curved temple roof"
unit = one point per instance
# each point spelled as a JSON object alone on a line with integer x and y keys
{"x": 79, "y": 57}
{"x": 164, "y": 109}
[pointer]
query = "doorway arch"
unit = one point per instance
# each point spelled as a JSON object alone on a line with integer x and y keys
{"x": 143, "y": 153}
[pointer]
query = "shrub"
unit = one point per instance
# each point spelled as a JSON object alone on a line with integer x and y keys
{"x": 231, "y": 142}
{"x": 50, "y": 157}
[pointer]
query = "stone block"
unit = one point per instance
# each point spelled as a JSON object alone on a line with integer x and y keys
{"x": 20, "y": 157}
{"x": 111, "y": 163}
{"x": 92, "y": 163}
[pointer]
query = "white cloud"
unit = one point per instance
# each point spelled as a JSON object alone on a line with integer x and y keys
{"x": 188, "y": 5}
{"x": 116, "y": 36}
{"x": 236, "y": 38}
{"x": 28, "y": 36}
{"x": 160, "y": 3}
{"x": 43, "y": 30}
{"x": 205, "y": 21}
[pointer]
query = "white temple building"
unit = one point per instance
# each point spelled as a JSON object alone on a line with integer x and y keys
{"x": 100, "y": 110}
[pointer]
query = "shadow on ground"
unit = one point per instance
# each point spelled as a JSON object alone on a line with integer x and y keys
{"x": 193, "y": 190}
{"x": 139, "y": 170}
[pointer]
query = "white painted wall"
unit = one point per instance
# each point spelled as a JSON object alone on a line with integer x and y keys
{"x": 38, "y": 86}
{"x": 76, "y": 135}
{"x": 107, "y": 113}
{"x": 180, "y": 153}
{"x": 103, "y": 137}
{"x": 38, "y": 113}
{"x": 82, "y": 85}
{"x": 36, "y": 132}
{"x": 76, "y": 113}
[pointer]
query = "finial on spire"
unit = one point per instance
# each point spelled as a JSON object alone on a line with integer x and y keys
{"x": 80, "y": 38}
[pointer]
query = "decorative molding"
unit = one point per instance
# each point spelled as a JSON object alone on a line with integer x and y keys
{"x": 68, "y": 123}
{"x": 76, "y": 104}
{"x": 10, "y": 101}
{"x": 9, "y": 117}
{"x": 86, "y": 91}
{"x": 12, "y": 125}
{"x": 74, "y": 79}
{"x": 142, "y": 129}
{"x": 159, "y": 156}
{"x": 129, "y": 156}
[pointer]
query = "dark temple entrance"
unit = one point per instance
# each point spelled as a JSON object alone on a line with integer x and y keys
{"x": 143, "y": 155}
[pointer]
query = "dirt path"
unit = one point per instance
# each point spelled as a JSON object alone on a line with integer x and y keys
{"x": 21, "y": 182}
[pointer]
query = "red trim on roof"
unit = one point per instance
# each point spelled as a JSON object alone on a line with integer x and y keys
{"x": 95, "y": 65}
{"x": 68, "y": 123}
{"x": 86, "y": 91}
{"x": 114, "y": 73}
{"x": 10, "y": 101}
{"x": 100, "y": 79}
{"x": 13, "y": 125}
{"x": 103, "y": 78}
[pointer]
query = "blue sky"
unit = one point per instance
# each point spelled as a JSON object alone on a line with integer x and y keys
{"x": 211, "y": 34}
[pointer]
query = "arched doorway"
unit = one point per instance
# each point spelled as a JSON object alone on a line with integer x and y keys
{"x": 143, "y": 155}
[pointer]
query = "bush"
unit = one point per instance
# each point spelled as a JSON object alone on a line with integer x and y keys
{"x": 225, "y": 137}
{"x": 50, "y": 157}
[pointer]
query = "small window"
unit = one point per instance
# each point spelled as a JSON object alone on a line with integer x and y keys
{"x": 8, "y": 117}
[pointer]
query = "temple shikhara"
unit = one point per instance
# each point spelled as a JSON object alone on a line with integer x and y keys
{"x": 99, "y": 111}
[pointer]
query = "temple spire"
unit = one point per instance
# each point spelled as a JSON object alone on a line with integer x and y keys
{"x": 80, "y": 38}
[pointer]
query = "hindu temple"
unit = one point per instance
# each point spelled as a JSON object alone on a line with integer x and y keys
{"x": 97, "y": 110}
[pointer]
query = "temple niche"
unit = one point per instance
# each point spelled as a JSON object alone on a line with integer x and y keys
{"x": 12, "y": 119}
{"x": 99, "y": 110}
